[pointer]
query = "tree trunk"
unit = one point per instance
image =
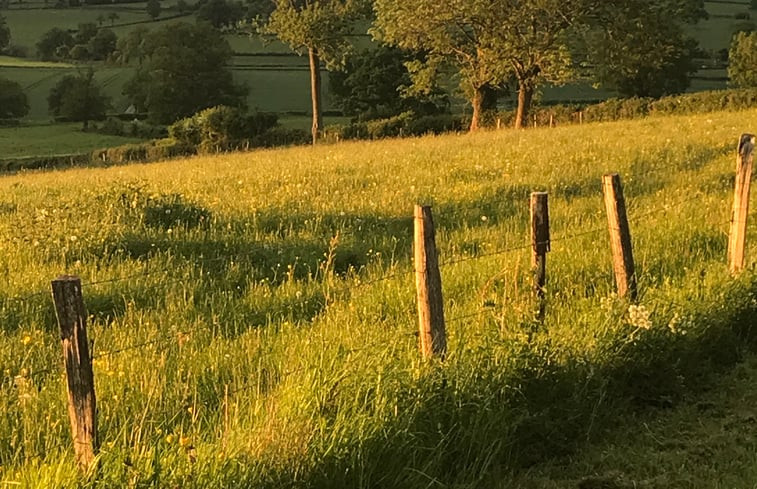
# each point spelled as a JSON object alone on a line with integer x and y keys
{"x": 525, "y": 95}
{"x": 315, "y": 92}
{"x": 477, "y": 102}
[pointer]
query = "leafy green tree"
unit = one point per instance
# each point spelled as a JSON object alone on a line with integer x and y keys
{"x": 184, "y": 70}
{"x": 113, "y": 17}
{"x": 639, "y": 47}
{"x": 78, "y": 98}
{"x": 54, "y": 44}
{"x": 221, "y": 13}
{"x": 373, "y": 84}
{"x": 320, "y": 29}
{"x": 85, "y": 32}
{"x": 13, "y": 101}
{"x": 5, "y": 34}
{"x": 153, "y": 8}
{"x": 742, "y": 56}
{"x": 103, "y": 44}
{"x": 487, "y": 43}
{"x": 132, "y": 46}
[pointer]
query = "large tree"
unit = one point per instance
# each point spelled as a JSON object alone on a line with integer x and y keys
{"x": 488, "y": 42}
{"x": 78, "y": 98}
{"x": 320, "y": 29}
{"x": 640, "y": 47}
{"x": 374, "y": 83}
{"x": 55, "y": 44}
{"x": 13, "y": 101}
{"x": 742, "y": 60}
{"x": 183, "y": 70}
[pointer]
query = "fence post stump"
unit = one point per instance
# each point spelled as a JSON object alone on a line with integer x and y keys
{"x": 737, "y": 234}
{"x": 82, "y": 410}
{"x": 620, "y": 236}
{"x": 428, "y": 283}
{"x": 539, "y": 244}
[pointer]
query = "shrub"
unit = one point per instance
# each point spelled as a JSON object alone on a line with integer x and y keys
{"x": 434, "y": 124}
{"x": 281, "y": 136}
{"x": 221, "y": 128}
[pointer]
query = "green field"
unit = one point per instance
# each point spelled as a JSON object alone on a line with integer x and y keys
{"x": 53, "y": 139}
{"x": 253, "y": 314}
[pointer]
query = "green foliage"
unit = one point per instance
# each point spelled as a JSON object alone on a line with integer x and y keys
{"x": 103, "y": 44}
{"x": 487, "y": 42}
{"x": 184, "y": 70}
{"x": 55, "y": 44}
{"x": 5, "y": 34}
{"x": 13, "y": 101}
{"x": 221, "y": 129}
{"x": 221, "y": 13}
{"x": 153, "y": 8}
{"x": 641, "y": 49}
{"x": 404, "y": 124}
{"x": 280, "y": 136}
{"x": 371, "y": 86}
{"x": 78, "y": 99}
{"x": 742, "y": 59}
{"x": 321, "y": 29}
{"x": 85, "y": 32}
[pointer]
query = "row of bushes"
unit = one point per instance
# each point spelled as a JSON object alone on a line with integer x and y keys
{"x": 633, "y": 108}
{"x": 404, "y": 124}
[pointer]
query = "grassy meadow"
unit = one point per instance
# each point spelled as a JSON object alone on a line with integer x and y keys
{"x": 54, "y": 139}
{"x": 253, "y": 314}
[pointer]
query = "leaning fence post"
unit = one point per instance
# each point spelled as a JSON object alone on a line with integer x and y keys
{"x": 428, "y": 283}
{"x": 539, "y": 244}
{"x": 82, "y": 411}
{"x": 620, "y": 236}
{"x": 737, "y": 235}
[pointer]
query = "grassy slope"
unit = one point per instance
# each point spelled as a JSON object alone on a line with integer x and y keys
{"x": 708, "y": 441}
{"x": 267, "y": 356}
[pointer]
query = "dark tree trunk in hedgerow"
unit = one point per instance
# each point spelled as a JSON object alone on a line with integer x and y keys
{"x": 477, "y": 102}
{"x": 315, "y": 92}
{"x": 525, "y": 96}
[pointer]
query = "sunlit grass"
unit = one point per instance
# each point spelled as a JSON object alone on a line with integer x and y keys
{"x": 273, "y": 294}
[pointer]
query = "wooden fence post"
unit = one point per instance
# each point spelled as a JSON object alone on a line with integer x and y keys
{"x": 737, "y": 235}
{"x": 539, "y": 244}
{"x": 428, "y": 283}
{"x": 82, "y": 411}
{"x": 620, "y": 236}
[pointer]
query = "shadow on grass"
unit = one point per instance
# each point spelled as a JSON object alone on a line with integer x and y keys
{"x": 457, "y": 430}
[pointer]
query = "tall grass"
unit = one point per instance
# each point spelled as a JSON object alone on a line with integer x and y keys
{"x": 273, "y": 299}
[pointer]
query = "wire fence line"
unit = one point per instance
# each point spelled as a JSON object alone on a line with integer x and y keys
{"x": 164, "y": 341}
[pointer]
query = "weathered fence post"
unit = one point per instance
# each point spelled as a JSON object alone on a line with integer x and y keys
{"x": 620, "y": 236}
{"x": 428, "y": 283}
{"x": 737, "y": 235}
{"x": 539, "y": 244}
{"x": 82, "y": 411}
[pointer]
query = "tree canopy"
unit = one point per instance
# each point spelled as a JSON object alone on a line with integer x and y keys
{"x": 78, "y": 98}
{"x": 374, "y": 84}
{"x": 55, "y": 44}
{"x": 639, "y": 47}
{"x": 320, "y": 28}
{"x": 184, "y": 70}
{"x": 221, "y": 13}
{"x": 13, "y": 101}
{"x": 487, "y": 43}
{"x": 742, "y": 58}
